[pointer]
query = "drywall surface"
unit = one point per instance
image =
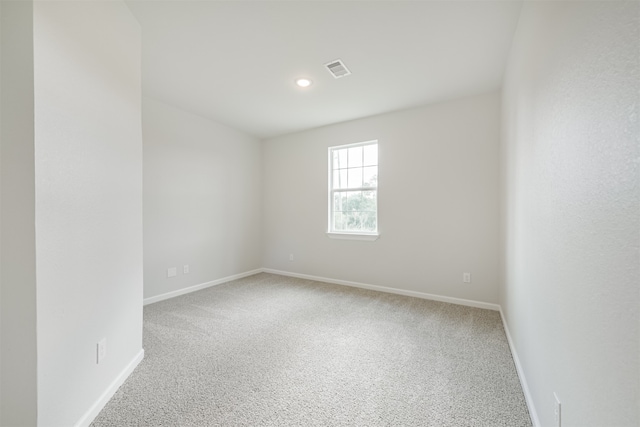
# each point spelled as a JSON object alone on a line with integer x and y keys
{"x": 571, "y": 157}
{"x": 88, "y": 169}
{"x": 18, "y": 251}
{"x": 202, "y": 199}
{"x": 0, "y": 210}
{"x": 437, "y": 202}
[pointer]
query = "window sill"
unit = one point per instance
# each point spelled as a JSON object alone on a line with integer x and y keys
{"x": 354, "y": 236}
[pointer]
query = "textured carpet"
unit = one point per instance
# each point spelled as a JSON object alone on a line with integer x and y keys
{"x": 270, "y": 350}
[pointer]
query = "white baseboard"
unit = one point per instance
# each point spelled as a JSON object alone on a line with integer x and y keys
{"x": 451, "y": 300}
{"x": 95, "y": 409}
{"x": 194, "y": 288}
{"x": 523, "y": 380}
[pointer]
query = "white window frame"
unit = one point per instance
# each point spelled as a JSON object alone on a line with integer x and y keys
{"x": 351, "y": 235}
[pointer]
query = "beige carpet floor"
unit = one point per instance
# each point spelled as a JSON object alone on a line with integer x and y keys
{"x": 269, "y": 350}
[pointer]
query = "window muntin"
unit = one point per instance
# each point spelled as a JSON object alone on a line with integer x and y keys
{"x": 353, "y": 188}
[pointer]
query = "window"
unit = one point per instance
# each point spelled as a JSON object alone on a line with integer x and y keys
{"x": 353, "y": 189}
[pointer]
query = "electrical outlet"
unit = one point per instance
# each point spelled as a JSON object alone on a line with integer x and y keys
{"x": 290, "y": 257}
{"x": 172, "y": 272}
{"x": 101, "y": 350}
{"x": 185, "y": 269}
{"x": 557, "y": 411}
{"x": 466, "y": 277}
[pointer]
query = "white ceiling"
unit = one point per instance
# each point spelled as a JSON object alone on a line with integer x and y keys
{"x": 236, "y": 61}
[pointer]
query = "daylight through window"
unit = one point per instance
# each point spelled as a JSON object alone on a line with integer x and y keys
{"x": 353, "y": 188}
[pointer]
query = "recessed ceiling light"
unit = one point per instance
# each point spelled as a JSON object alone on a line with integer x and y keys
{"x": 303, "y": 82}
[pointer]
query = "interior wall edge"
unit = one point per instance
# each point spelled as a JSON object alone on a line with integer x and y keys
{"x": 528, "y": 397}
{"x": 95, "y": 409}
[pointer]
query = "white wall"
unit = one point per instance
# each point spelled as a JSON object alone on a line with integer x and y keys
{"x": 88, "y": 170}
{"x": 1, "y": 210}
{"x": 202, "y": 199}
{"x": 571, "y": 151}
{"x": 18, "y": 253}
{"x": 438, "y": 201}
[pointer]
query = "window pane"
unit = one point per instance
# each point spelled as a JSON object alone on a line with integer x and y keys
{"x": 370, "y": 177}
{"x": 355, "y": 177}
{"x": 339, "y": 201}
{"x": 354, "y": 201}
{"x": 339, "y": 158}
{"x": 352, "y": 222}
{"x": 369, "y": 221}
{"x": 369, "y": 201}
{"x": 371, "y": 155}
{"x": 340, "y": 179}
{"x": 338, "y": 221}
{"x": 354, "y": 211}
{"x": 355, "y": 157}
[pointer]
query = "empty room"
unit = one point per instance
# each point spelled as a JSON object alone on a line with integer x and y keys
{"x": 319, "y": 213}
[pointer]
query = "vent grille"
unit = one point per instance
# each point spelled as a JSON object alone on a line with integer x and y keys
{"x": 337, "y": 68}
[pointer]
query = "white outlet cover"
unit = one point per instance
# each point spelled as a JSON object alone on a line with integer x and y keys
{"x": 172, "y": 272}
{"x": 101, "y": 350}
{"x": 557, "y": 411}
{"x": 185, "y": 269}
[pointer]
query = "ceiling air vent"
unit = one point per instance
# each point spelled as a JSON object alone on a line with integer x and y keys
{"x": 337, "y": 68}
